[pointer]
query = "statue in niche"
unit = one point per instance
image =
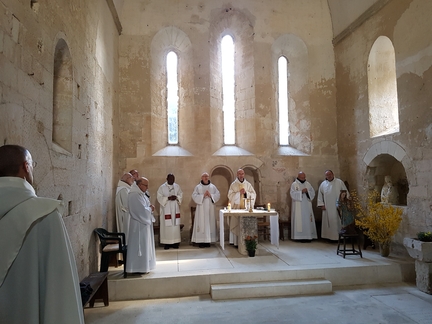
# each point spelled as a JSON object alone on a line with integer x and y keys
{"x": 389, "y": 194}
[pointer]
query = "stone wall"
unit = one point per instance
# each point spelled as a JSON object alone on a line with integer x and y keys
{"x": 407, "y": 25}
{"x": 299, "y": 30}
{"x": 82, "y": 172}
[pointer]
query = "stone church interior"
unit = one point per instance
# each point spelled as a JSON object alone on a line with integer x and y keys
{"x": 97, "y": 88}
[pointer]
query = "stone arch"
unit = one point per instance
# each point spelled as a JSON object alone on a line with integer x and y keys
{"x": 62, "y": 96}
{"x": 388, "y": 158}
{"x": 166, "y": 40}
{"x": 222, "y": 177}
{"x": 382, "y": 88}
{"x": 253, "y": 175}
{"x": 294, "y": 49}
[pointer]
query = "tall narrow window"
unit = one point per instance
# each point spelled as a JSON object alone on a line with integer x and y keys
{"x": 227, "y": 49}
{"x": 382, "y": 88}
{"x": 172, "y": 97}
{"x": 283, "y": 101}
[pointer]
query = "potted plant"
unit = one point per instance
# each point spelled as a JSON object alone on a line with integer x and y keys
{"x": 251, "y": 244}
{"x": 420, "y": 248}
{"x": 379, "y": 221}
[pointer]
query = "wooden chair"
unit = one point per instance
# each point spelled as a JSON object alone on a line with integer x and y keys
{"x": 263, "y": 224}
{"x": 111, "y": 243}
{"x": 343, "y": 251}
{"x": 284, "y": 223}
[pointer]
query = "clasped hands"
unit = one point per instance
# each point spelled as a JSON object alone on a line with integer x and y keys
{"x": 207, "y": 194}
{"x": 172, "y": 197}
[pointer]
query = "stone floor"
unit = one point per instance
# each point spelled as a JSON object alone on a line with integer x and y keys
{"x": 396, "y": 302}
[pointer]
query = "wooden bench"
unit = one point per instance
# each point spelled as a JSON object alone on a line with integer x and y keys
{"x": 98, "y": 281}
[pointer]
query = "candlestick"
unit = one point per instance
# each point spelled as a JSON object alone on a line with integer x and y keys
{"x": 268, "y": 207}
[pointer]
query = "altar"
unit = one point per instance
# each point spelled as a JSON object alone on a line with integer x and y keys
{"x": 248, "y": 226}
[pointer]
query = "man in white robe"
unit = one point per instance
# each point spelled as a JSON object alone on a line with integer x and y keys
{"x": 121, "y": 203}
{"x": 170, "y": 197}
{"x": 328, "y": 194}
{"x": 205, "y": 196}
{"x": 38, "y": 275}
{"x": 141, "y": 256}
{"x": 303, "y": 226}
{"x": 238, "y": 190}
{"x": 135, "y": 174}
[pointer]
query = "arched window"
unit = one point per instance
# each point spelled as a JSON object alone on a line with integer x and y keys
{"x": 172, "y": 97}
{"x": 62, "y": 97}
{"x": 382, "y": 88}
{"x": 283, "y": 100}
{"x": 228, "y": 86}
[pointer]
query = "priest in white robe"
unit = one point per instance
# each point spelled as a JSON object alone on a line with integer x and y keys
{"x": 205, "y": 195}
{"x": 141, "y": 256}
{"x": 121, "y": 203}
{"x": 328, "y": 194}
{"x": 170, "y": 197}
{"x": 38, "y": 275}
{"x": 303, "y": 225}
{"x": 238, "y": 190}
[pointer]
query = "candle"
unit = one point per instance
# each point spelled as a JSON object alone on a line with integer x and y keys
{"x": 268, "y": 207}
{"x": 229, "y": 206}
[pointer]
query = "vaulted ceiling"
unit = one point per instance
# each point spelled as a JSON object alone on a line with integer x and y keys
{"x": 344, "y": 13}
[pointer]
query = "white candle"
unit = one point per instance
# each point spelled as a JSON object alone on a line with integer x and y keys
{"x": 268, "y": 207}
{"x": 229, "y": 207}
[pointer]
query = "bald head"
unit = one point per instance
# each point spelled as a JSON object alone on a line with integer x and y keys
{"x": 301, "y": 176}
{"x": 205, "y": 178}
{"x": 240, "y": 174}
{"x": 16, "y": 161}
{"x": 143, "y": 184}
{"x": 128, "y": 178}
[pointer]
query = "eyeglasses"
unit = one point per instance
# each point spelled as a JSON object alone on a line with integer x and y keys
{"x": 32, "y": 163}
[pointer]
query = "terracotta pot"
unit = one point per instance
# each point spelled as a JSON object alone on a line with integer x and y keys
{"x": 384, "y": 249}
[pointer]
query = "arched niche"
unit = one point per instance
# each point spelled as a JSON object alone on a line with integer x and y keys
{"x": 221, "y": 177}
{"x": 253, "y": 176}
{"x": 388, "y": 158}
{"x": 62, "y": 97}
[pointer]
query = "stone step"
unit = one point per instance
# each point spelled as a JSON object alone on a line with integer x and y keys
{"x": 270, "y": 289}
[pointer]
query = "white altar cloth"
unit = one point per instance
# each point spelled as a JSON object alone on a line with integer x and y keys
{"x": 274, "y": 223}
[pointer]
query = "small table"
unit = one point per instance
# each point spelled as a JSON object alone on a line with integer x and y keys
{"x": 247, "y": 217}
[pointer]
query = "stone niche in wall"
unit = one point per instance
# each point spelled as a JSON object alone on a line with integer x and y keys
{"x": 386, "y": 165}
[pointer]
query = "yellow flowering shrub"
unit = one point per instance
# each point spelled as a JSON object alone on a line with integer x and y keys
{"x": 379, "y": 221}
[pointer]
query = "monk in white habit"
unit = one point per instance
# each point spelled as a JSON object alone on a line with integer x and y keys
{"x": 238, "y": 190}
{"x": 141, "y": 256}
{"x": 303, "y": 226}
{"x": 205, "y": 196}
{"x": 38, "y": 275}
{"x": 328, "y": 194}
{"x": 121, "y": 203}
{"x": 135, "y": 174}
{"x": 170, "y": 197}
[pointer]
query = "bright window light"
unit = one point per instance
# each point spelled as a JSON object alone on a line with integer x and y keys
{"x": 283, "y": 101}
{"x": 172, "y": 98}
{"x": 228, "y": 85}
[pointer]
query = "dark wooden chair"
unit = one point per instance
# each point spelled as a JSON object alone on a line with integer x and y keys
{"x": 343, "y": 250}
{"x": 111, "y": 243}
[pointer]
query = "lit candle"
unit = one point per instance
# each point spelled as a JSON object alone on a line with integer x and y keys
{"x": 229, "y": 206}
{"x": 268, "y": 207}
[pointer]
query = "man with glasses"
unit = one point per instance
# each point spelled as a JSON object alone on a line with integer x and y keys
{"x": 38, "y": 275}
{"x": 141, "y": 257}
